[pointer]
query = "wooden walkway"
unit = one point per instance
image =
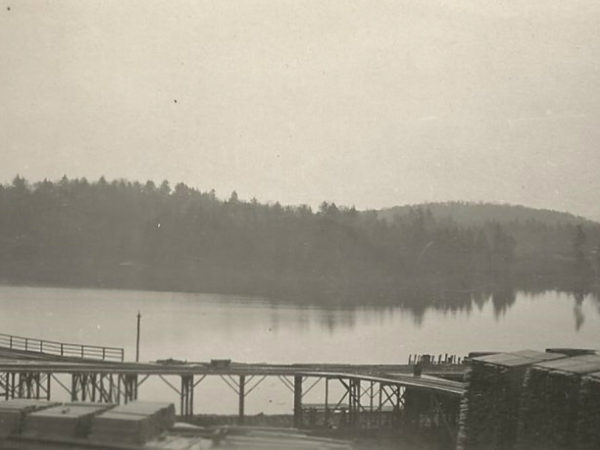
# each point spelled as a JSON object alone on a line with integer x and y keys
{"x": 32, "y": 347}
{"x": 34, "y": 369}
{"x": 357, "y": 372}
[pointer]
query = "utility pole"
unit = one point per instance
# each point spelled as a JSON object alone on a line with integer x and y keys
{"x": 137, "y": 342}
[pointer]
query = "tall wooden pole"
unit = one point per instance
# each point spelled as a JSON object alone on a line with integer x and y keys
{"x": 137, "y": 341}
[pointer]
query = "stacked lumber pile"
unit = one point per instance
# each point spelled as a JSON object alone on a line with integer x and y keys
{"x": 588, "y": 420}
{"x": 133, "y": 423}
{"x": 551, "y": 407}
{"x": 489, "y": 409}
{"x": 71, "y": 420}
{"x": 13, "y": 412}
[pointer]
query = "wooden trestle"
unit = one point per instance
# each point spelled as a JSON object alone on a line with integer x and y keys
{"x": 119, "y": 383}
{"x": 370, "y": 396}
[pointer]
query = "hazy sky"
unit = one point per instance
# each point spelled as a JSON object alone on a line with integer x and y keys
{"x": 370, "y": 103}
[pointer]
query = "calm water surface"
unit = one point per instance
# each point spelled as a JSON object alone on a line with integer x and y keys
{"x": 198, "y": 327}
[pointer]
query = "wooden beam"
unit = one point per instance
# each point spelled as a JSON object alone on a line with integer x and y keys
{"x": 242, "y": 397}
{"x": 298, "y": 401}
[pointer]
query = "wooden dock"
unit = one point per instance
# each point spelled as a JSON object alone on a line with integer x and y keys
{"x": 100, "y": 375}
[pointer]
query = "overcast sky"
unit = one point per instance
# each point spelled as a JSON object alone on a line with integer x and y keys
{"x": 368, "y": 103}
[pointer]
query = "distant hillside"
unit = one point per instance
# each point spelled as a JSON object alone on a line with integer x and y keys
{"x": 545, "y": 244}
{"x": 475, "y": 214}
{"x": 123, "y": 234}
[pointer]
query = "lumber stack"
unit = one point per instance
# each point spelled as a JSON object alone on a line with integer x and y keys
{"x": 552, "y": 407}
{"x": 13, "y": 412}
{"x": 489, "y": 409}
{"x": 71, "y": 420}
{"x": 588, "y": 420}
{"x": 133, "y": 423}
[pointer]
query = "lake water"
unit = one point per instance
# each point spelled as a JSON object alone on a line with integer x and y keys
{"x": 198, "y": 327}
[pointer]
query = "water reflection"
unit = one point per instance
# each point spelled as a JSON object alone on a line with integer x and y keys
{"x": 578, "y": 312}
{"x": 447, "y": 303}
{"x": 204, "y": 326}
{"x": 502, "y": 298}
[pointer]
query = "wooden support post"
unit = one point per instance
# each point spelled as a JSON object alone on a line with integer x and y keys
{"x": 191, "y": 395}
{"x": 355, "y": 394}
{"x": 92, "y": 380}
{"x": 12, "y": 391}
{"x": 242, "y": 398}
{"x": 48, "y": 381}
{"x": 371, "y": 405}
{"x": 130, "y": 386}
{"x": 398, "y": 405}
{"x": 84, "y": 386}
{"x": 182, "y": 397}
{"x": 380, "y": 409}
{"x": 6, "y": 386}
{"x": 298, "y": 401}
{"x": 187, "y": 395}
{"x": 327, "y": 424}
{"x": 20, "y": 386}
{"x": 38, "y": 382}
{"x": 351, "y": 400}
{"x": 111, "y": 387}
{"x": 74, "y": 382}
{"x": 27, "y": 383}
{"x": 120, "y": 388}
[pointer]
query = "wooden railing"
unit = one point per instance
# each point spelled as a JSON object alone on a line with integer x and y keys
{"x": 433, "y": 360}
{"x": 64, "y": 349}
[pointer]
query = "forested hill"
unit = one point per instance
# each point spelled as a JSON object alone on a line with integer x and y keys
{"x": 469, "y": 214}
{"x": 123, "y": 234}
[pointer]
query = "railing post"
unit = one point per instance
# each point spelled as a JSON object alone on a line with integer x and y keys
{"x": 26, "y": 342}
{"x": 41, "y": 346}
{"x": 10, "y": 343}
{"x": 103, "y": 353}
{"x": 62, "y": 350}
{"x": 82, "y": 351}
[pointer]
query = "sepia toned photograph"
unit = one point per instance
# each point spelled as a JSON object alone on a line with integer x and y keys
{"x": 300, "y": 224}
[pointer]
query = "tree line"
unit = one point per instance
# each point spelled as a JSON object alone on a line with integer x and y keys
{"x": 123, "y": 234}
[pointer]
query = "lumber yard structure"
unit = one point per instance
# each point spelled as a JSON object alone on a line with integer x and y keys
{"x": 502, "y": 401}
{"x": 41, "y": 424}
{"x": 354, "y": 396}
{"x": 529, "y": 400}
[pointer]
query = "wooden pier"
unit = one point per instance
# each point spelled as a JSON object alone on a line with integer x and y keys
{"x": 502, "y": 403}
{"x": 30, "y": 368}
{"x": 371, "y": 395}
